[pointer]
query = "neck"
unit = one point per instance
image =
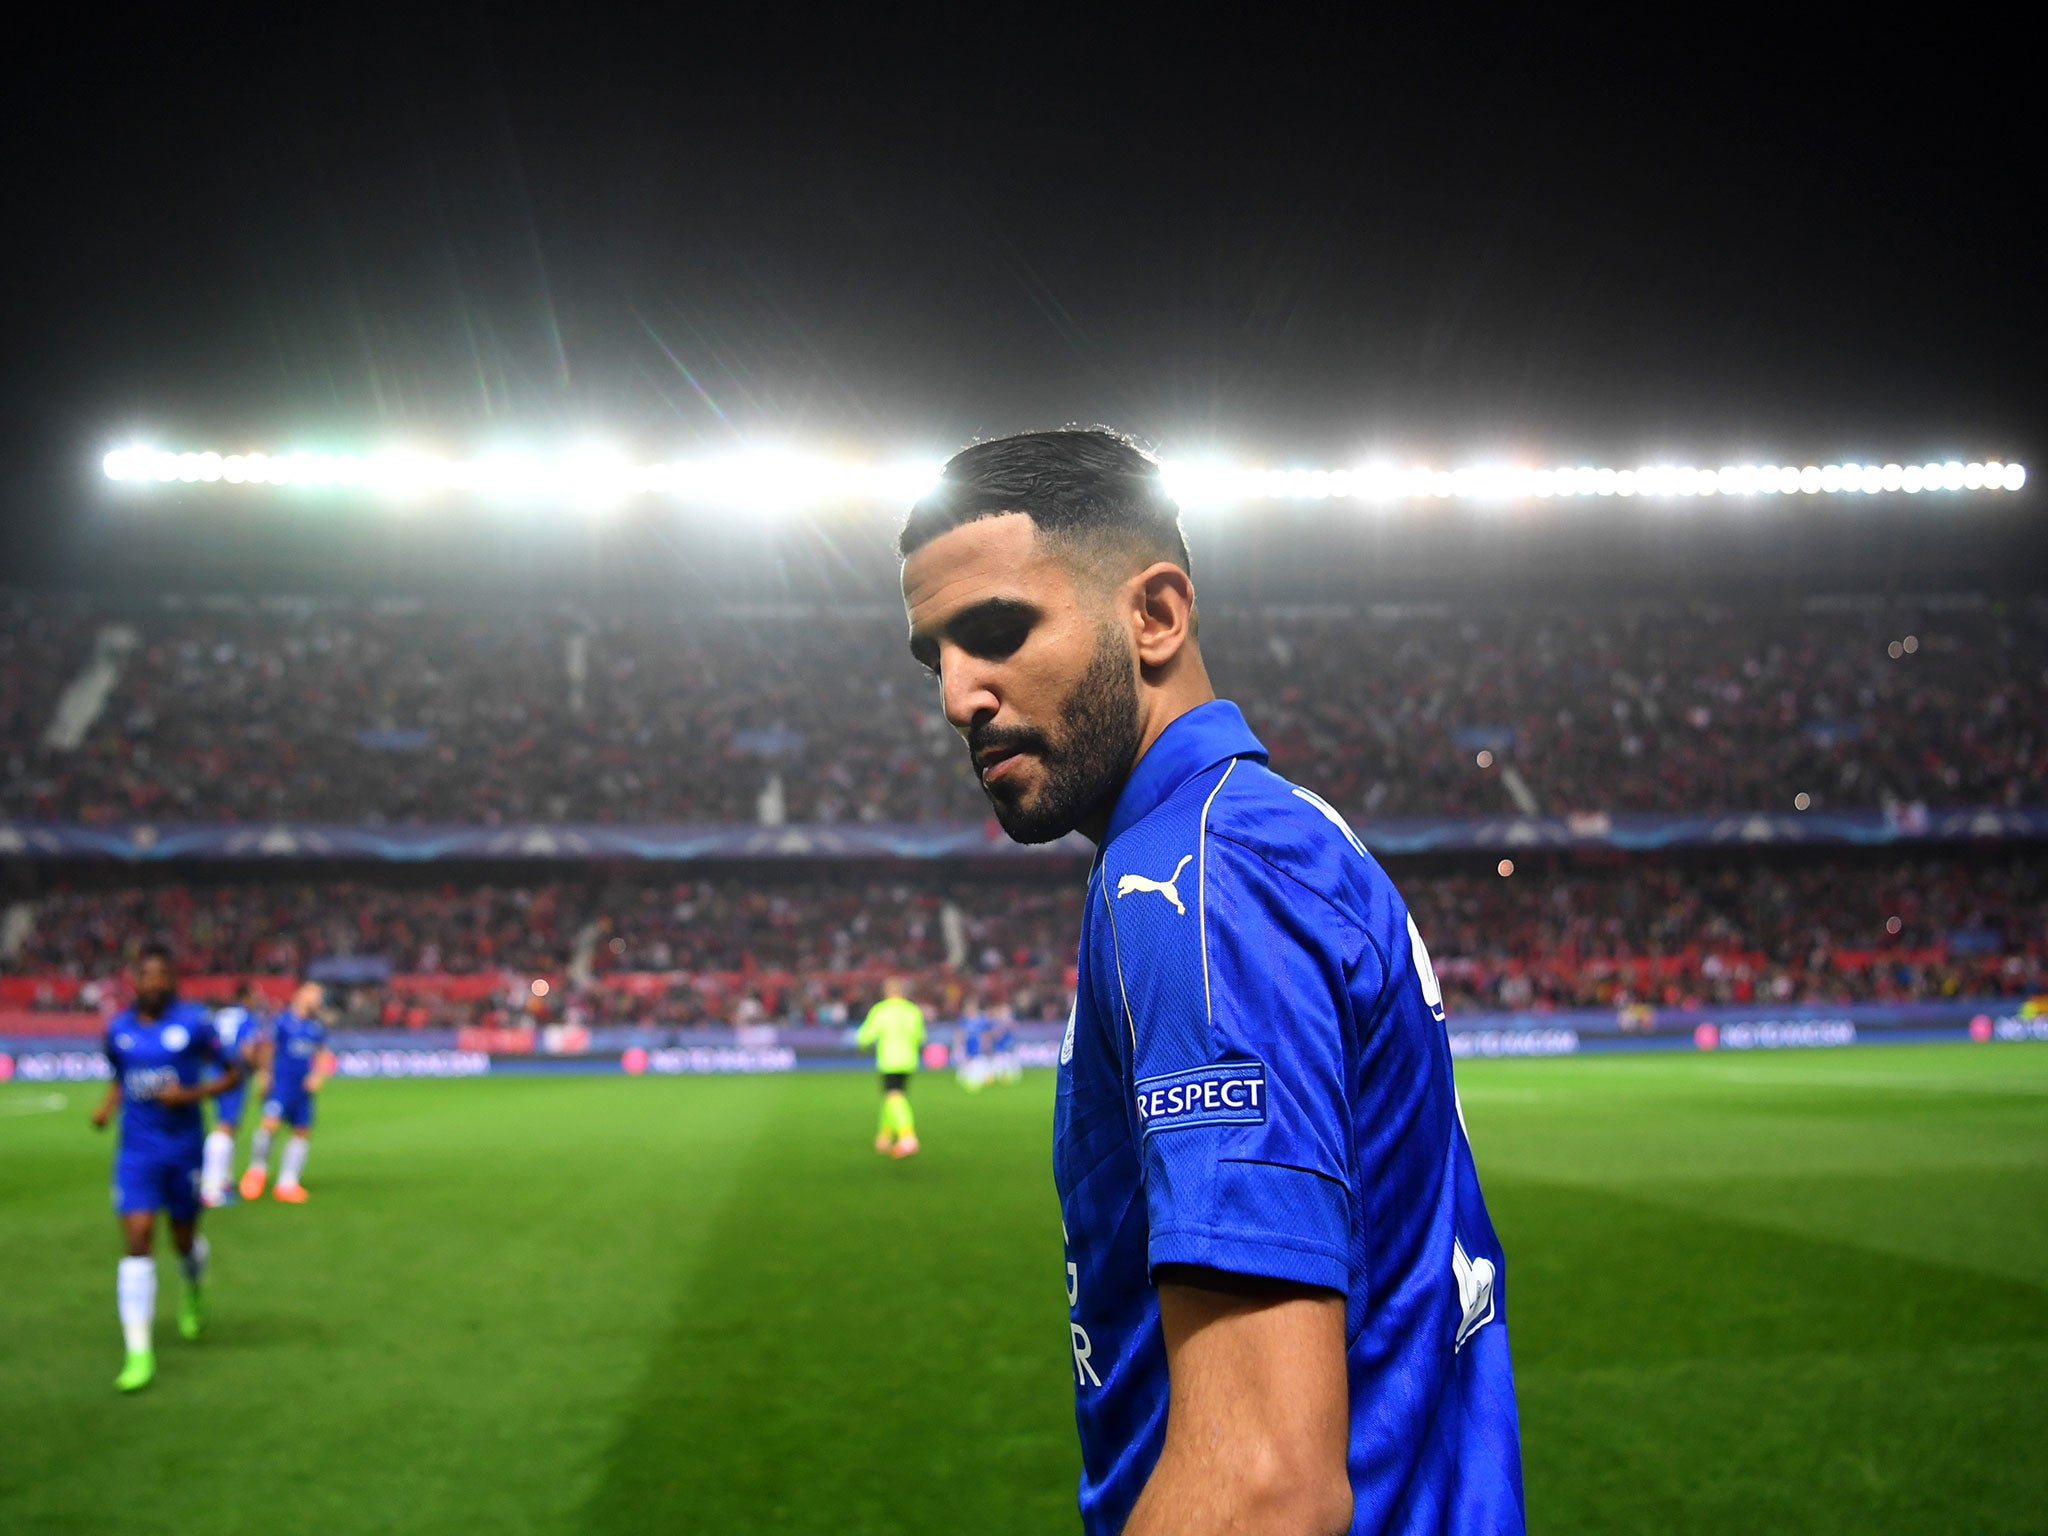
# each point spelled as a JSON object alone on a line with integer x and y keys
{"x": 1186, "y": 687}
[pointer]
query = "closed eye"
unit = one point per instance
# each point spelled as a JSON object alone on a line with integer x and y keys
{"x": 988, "y": 630}
{"x": 994, "y": 642}
{"x": 993, "y": 629}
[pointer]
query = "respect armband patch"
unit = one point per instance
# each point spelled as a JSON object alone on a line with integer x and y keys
{"x": 1226, "y": 1093}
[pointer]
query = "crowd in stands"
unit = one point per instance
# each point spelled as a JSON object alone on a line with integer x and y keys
{"x": 733, "y": 950}
{"x": 42, "y": 642}
{"x": 399, "y": 712}
{"x": 743, "y": 949}
{"x": 1659, "y": 934}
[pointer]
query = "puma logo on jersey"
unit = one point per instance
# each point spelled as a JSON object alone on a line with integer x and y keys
{"x": 1166, "y": 887}
{"x": 1475, "y": 1293}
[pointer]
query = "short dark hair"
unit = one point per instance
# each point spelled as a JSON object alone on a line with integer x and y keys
{"x": 155, "y": 949}
{"x": 1080, "y": 483}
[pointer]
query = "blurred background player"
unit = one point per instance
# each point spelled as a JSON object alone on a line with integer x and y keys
{"x": 971, "y": 1040}
{"x": 300, "y": 1064}
{"x": 1003, "y": 1064}
{"x": 164, "y": 1053}
{"x": 240, "y": 1028}
{"x": 895, "y": 1028}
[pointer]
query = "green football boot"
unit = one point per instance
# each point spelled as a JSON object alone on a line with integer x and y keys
{"x": 138, "y": 1372}
{"x": 192, "y": 1313}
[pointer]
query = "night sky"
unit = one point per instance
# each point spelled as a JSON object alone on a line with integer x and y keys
{"x": 1295, "y": 238}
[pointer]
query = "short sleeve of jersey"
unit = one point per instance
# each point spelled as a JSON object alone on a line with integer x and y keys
{"x": 113, "y": 1051}
{"x": 1240, "y": 1015}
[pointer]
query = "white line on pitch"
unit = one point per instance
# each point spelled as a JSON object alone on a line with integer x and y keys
{"x": 35, "y": 1104}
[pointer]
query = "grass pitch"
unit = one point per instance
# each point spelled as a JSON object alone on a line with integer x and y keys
{"x": 1797, "y": 1292}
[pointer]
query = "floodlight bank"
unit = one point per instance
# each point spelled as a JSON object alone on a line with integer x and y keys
{"x": 769, "y": 481}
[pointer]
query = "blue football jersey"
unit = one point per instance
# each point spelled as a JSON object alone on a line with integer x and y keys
{"x": 150, "y": 1055}
{"x": 240, "y": 1030}
{"x": 1256, "y": 1078}
{"x": 296, "y": 1046}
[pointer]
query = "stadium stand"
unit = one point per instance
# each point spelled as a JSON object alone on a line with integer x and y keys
{"x": 41, "y": 642}
{"x": 1678, "y": 935}
{"x": 407, "y": 713}
{"x": 1565, "y": 935}
{"x": 233, "y": 711}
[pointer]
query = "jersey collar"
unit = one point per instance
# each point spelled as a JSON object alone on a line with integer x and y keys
{"x": 134, "y": 1018}
{"x": 1200, "y": 739}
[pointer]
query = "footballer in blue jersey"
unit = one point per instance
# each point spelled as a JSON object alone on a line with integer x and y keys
{"x": 240, "y": 1028}
{"x": 295, "y": 1053}
{"x": 1002, "y": 1048}
{"x": 972, "y": 1045}
{"x": 1287, "y": 1302}
{"x": 166, "y": 1060}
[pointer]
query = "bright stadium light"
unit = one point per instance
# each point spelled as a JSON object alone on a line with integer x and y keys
{"x": 781, "y": 478}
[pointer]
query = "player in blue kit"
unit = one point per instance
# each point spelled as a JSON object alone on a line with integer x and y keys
{"x": 971, "y": 1043}
{"x": 166, "y": 1060}
{"x": 295, "y": 1051}
{"x": 1002, "y": 1047}
{"x": 240, "y": 1028}
{"x": 1287, "y": 1302}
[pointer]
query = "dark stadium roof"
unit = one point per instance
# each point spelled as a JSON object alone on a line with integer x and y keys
{"x": 1298, "y": 238}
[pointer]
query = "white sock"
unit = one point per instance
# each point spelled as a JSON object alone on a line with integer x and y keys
{"x": 259, "y": 1148}
{"x": 219, "y": 1163}
{"x": 194, "y": 1263}
{"x": 293, "y": 1163}
{"x": 135, "y": 1289}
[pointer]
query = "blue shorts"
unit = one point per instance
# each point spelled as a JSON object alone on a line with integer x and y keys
{"x": 294, "y": 1107}
{"x": 156, "y": 1179}
{"x": 227, "y": 1107}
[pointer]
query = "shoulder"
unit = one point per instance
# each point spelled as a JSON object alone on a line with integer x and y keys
{"x": 201, "y": 1034}
{"x": 1240, "y": 822}
{"x": 1291, "y": 829}
{"x": 1238, "y": 844}
{"x": 1271, "y": 829}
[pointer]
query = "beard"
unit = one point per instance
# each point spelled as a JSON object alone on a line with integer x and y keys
{"x": 1088, "y": 760}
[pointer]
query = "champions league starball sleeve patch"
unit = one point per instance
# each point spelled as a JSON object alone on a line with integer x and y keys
{"x": 1225, "y": 1093}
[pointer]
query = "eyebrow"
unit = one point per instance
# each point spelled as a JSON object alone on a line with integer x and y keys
{"x": 990, "y": 611}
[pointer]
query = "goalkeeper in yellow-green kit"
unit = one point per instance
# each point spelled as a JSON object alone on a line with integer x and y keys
{"x": 895, "y": 1028}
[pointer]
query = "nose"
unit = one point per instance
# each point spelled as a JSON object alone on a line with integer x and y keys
{"x": 967, "y": 689}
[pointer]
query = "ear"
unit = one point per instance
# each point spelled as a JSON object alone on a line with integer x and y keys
{"x": 1163, "y": 613}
